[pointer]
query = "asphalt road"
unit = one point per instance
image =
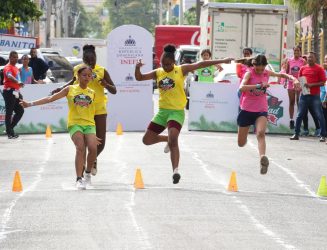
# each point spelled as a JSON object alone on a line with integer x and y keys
{"x": 277, "y": 211}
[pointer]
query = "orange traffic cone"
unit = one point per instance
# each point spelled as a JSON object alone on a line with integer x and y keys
{"x": 119, "y": 129}
{"x": 232, "y": 187}
{"x": 17, "y": 184}
{"x": 48, "y": 133}
{"x": 138, "y": 183}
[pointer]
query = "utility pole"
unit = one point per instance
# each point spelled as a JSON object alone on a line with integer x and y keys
{"x": 198, "y": 11}
{"x": 169, "y": 11}
{"x": 49, "y": 10}
{"x": 160, "y": 12}
{"x": 181, "y": 13}
{"x": 290, "y": 25}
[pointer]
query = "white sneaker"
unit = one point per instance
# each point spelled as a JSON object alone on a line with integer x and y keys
{"x": 80, "y": 184}
{"x": 167, "y": 149}
{"x": 94, "y": 169}
{"x": 87, "y": 179}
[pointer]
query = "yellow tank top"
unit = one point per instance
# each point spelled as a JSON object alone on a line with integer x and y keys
{"x": 171, "y": 88}
{"x": 81, "y": 106}
{"x": 98, "y": 74}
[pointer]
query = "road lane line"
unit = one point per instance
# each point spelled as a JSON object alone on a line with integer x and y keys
{"x": 263, "y": 229}
{"x": 300, "y": 183}
{"x": 121, "y": 166}
{"x": 7, "y": 214}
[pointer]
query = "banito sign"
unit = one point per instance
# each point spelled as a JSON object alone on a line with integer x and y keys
{"x": 9, "y": 42}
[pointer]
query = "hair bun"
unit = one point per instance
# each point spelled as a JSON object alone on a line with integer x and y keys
{"x": 88, "y": 47}
{"x": 169, "y": 48}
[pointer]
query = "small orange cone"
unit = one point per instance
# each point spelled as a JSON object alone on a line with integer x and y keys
{"x": 232, "y": 187}
{"x": 138, "y": 183}
{"x": 48, "y": 133}
{"x": 119, "y": 129}
{"x": 17, "y": 185}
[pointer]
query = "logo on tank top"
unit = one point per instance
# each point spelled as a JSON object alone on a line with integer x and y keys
{"x": 205, "y": 72}
{"x": 82, "y": 100}
{"x": 295, "y": 69}
{"x": 166, "y": 84}
{"x": 94, "y": 75}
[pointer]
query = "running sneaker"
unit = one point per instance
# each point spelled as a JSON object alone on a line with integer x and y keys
{"x": 292, "y": 124}
{"x": 80, "y": 184}
{"x": 87, "y": 179}
{"x": 294, "y": 137}
{"x": 322, "y": 139}
{"x": 13, "y": 136}
{"x": 94, "y": 169}
{"x": 167, "y": 149}
{"x": 264, "y": 163}
{"x": 176, "y": 176}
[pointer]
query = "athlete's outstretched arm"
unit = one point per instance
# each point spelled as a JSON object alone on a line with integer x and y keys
{"x": 186, "y": 68}
{"x": 108, "y": 83}
{"x": 46, "y": 99}
{"x": 64, "y": 86}
{"x": 147, "y": 76}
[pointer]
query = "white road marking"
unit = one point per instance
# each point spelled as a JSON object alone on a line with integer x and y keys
{"x": 121, "y": 166}
{"x": 263, "y": 229}
{"x": 7, "y": 214}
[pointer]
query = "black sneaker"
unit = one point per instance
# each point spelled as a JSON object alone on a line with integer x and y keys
{"x": 13, "y": 136}
{"x": 322, "y": 139}
{"x": 292, "y": 125}
{"x": 176, "y": 178}
{"x": 294, "y": 137}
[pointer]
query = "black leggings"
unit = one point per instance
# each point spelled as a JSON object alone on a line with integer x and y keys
{"x": 12, "y": 105}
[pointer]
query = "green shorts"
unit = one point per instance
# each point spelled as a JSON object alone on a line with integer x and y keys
{"x": 88, "y": 129}
{"x": 166, "y": 115}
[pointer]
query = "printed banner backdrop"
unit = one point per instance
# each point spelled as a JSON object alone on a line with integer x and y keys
{"x": 36, "y": 119}
{"x": 132, "y": 106}
{"x": 214, "y": 107}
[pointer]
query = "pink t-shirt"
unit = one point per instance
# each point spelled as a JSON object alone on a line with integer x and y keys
{"x": 294, "y": 68}
{"x": 256, "y": 99}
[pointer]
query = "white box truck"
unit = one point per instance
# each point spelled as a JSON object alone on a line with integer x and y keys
{"x": 227, "y": 28}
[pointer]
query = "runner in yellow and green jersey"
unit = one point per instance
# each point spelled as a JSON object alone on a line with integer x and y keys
{"x": 101, "y": 81}
{"x": 172, "y": 101}
{"x": 80, "y": 122}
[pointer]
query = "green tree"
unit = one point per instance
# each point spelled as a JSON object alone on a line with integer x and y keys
{"x": 253, "y": 1}
{"x": 22, "y": 11}
{"x": 143, "y": 13}
{"x": 190, "y": 16}
{"x": 313, "y": 8}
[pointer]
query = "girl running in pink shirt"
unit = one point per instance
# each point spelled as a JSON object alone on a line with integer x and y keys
{"x": 254, "y": 105}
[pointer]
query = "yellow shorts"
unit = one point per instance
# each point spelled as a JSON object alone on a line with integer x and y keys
{"x": 100, "y": 108}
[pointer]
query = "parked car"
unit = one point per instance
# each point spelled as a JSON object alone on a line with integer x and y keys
{"x": 73, "y": 60}
{"x": 60, "y": 70}
{"x": 186, "y": 54}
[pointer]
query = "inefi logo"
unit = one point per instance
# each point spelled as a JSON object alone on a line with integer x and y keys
{"x": 210, "y": 95}
{"x": 129, "y": 78}
{"x": 130, "y": 41}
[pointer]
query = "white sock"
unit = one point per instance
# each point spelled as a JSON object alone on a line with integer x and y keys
{"x": 175, "y": 170}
